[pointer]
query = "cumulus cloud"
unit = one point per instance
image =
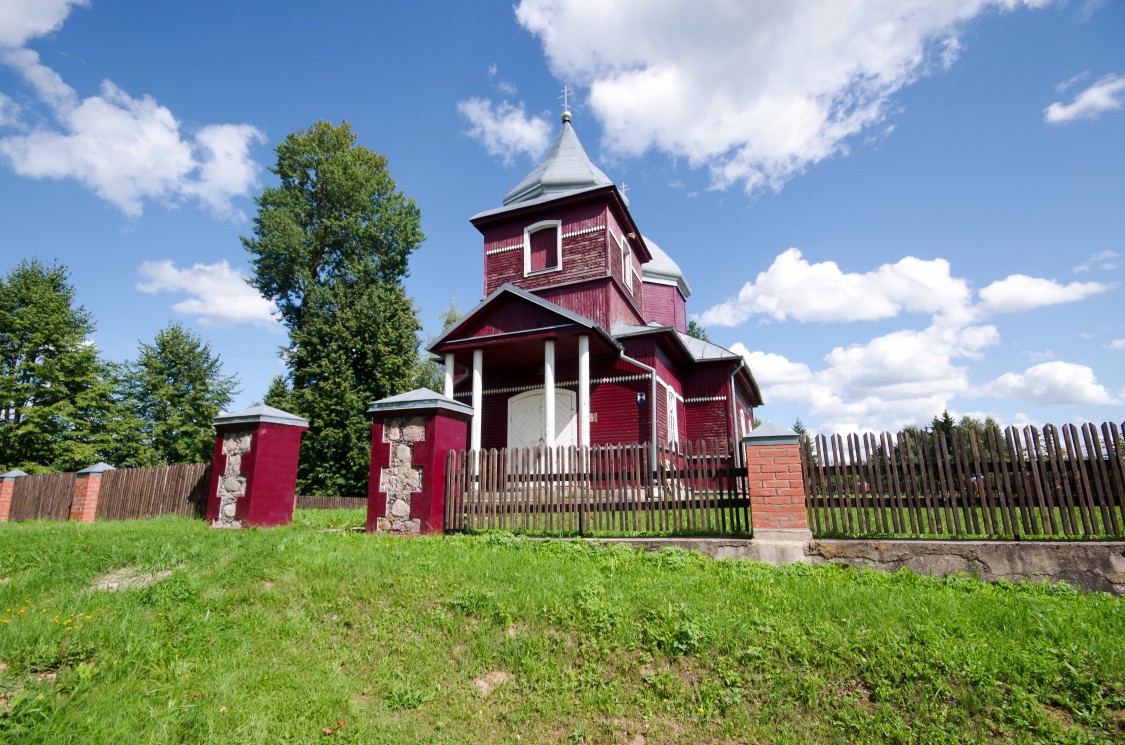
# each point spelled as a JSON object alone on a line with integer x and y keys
{"x": 792, "y": 288}
{"x": 756, "y": 92}
{"x": 217, "y": 294}
{"x": 125, "y": 149}
{"x": 1107, "y": 94}
{"x": 1019, "y": 293}
{"x": 505, "y": 129}
{"x": 1051, "y": 383}
{"x": 1117, "y": 345}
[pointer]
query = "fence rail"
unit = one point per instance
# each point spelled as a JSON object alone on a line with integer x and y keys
{"x": 1058, "y": 482}
{"x": 697, "y": 488}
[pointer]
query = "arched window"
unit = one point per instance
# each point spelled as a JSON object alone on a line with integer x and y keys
{"x": 542, "y": 247}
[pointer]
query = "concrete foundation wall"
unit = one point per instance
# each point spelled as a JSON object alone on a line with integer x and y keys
{"x": 1092, "y": 565}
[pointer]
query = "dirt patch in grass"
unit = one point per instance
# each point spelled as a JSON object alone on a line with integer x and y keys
{"x": 486, "y": 683}
{"x": 130, "y": 578}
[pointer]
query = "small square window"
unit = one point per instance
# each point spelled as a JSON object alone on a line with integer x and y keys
{"x": 542, "y": 246}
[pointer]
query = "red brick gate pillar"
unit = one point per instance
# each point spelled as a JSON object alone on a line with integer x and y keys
{"x": 7, "y": 491}
{"x": 254, "y": 471}
{"x": 411, "y": 435}
{"x": 776, "y": 487}
{"x": 87, "y": 488}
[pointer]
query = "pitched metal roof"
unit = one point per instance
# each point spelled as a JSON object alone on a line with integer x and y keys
{"x": 662, "y": 269}
{"x": 566, "y": 169}
{"x": 261, "y": 413}
{"x": 419, "y": 398}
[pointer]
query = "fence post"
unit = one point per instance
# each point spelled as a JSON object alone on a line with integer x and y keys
{"x": 87, "y": 487}
{"x": 776, "y": 487}
{"x": 254, "y": 471}
{"x": 7, "y": 490}
{"x": 411, "y": 435}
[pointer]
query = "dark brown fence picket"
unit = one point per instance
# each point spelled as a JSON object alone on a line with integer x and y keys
{"x": 42, "y": 497}
{"x": 1058, "y": 482}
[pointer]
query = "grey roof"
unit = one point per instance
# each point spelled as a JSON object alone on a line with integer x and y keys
{"x": 15, "y": 473}
{"x": 508, "y": 288}
{"x": 565, "y": 169}
{"x": 98, "y": 468}
{"x": 419, "y": 398}
{"x": 261, "y": 413}
{"x": 662, "y": 269}
{"x": 705, "y": 350}
{"x": 768, "y": 433}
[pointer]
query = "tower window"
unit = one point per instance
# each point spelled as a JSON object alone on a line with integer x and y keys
{"x": 626, "y": 263}
{"x": 542, "y": 247}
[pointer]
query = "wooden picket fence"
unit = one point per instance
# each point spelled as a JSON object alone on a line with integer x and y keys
{"x": 158, "y": 490}
{"x": 45, "y": 496}
{"x": 694, "y": 489}
{"x": 1058, "y": 482}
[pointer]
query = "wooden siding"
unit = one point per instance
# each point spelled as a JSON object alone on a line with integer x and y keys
{"x": 707, "y": 380}
{"x": 665, "y": 305}
{"x": 587, "y": 299}
{"x": 708, "y": 419}
{"x": 509, "y": 314}
{"x": 635, "y": 295}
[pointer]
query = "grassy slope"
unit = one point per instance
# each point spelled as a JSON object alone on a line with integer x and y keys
{"x": 285, "y": 635}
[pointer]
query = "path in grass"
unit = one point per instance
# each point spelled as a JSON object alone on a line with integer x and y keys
{"x": 300, "y": 635}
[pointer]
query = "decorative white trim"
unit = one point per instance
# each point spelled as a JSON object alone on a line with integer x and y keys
{"x": 670, "y": 389}
{"x": 558, "y": 384}
{"x": 584, "y": 231}
{"x": 504, "y": 249}
{"x": 703, "y": 399}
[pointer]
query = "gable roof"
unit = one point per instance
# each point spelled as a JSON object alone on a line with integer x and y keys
{"x": 510, "y": 290}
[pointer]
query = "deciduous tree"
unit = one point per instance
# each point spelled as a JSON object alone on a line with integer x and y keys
{"x": 330, "y": 248}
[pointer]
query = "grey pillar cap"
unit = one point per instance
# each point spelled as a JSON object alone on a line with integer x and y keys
{"x": 258, "y": 414}
{"x": 15, "y": 473}
{"x": 771, "y": 434}
{"x": 97, "y": 469}
{"x": 420, "y": 398}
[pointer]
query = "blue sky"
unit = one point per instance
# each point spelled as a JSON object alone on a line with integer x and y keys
{"x": 894, "y": 209}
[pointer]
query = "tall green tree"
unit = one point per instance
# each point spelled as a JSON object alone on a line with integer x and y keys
{"x": 697, "y": 331}
{"x": 174, "y": 390}
{"x": 330, "y": 247}
{"x": 54, "y": 390}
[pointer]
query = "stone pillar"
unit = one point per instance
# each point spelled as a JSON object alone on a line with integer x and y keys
{"x": 776, "y": 487}
{"x": 7, "y": 491}
{"x": 411, "y": 435}
{"x": 254, "y": 471}
{"x": 87, "y": 487}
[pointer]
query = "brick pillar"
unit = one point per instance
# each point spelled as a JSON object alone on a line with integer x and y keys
{"x": 776, "y": 487}
{"x": 7, "y": 490}
{"x": 411, "y": 435}
{"x": 87, "y": 487}
{"x": 254, "y": 471}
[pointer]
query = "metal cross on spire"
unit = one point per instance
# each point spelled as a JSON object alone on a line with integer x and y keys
{"x": 566, "y": 94}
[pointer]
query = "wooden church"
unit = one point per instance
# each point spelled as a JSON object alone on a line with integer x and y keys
{"x": 582, "y": 336}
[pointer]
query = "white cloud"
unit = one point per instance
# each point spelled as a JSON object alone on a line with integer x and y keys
{"x": 1117, "y": 345}
{"x": 9, "y": 111}
{"x": 1051, "y": 383}
{"x": 793, "y": 288}
{"x": 126, "y": 150}
{"x": 505, "y": 129}
{"x": 23, "y": 20}
{"x": 1019, "y": 292}
{"x": 1107, "y": 94}
{"x": 217, "y": 294}
{"x": 1103, "y": 261}
{"x": 754, "y": 91}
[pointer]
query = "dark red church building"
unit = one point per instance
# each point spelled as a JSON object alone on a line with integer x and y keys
{"x": 582, "y": 336}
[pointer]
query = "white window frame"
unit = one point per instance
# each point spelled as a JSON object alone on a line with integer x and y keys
{"x": 626, "y": 262}
{"x": 541, "y": 225}
{"x": 673, "y": 416}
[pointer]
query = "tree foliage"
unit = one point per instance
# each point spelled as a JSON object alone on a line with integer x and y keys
{"x": 330, "y": 247}
{"x": 55, "y": 399}
{"x": 174, "y": 390}
{"x": 697, "y": 331}
{"x": 431, "y": 373}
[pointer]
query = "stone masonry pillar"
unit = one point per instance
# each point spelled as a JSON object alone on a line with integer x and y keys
{"x": 411, "y": 435}
{"x": 87, "y": 488}
{"x": 776, "y": 487}
{"x": 254, "y": 471}
{"x": 7, "y": 491}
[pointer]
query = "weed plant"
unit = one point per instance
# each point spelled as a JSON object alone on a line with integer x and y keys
{"x": 317, "y": 633}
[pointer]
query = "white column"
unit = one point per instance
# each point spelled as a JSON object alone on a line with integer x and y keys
{"x": 478, "y": 395}
{"x": 549, "y": 392}
{"x": 449, "y": 362}
{"x": 584, "y": 390}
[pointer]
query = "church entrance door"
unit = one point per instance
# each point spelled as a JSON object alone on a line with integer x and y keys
{"x": 526, "y": 419}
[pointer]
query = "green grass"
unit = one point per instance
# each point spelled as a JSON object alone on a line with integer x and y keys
{"x": 303, "y": 635}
